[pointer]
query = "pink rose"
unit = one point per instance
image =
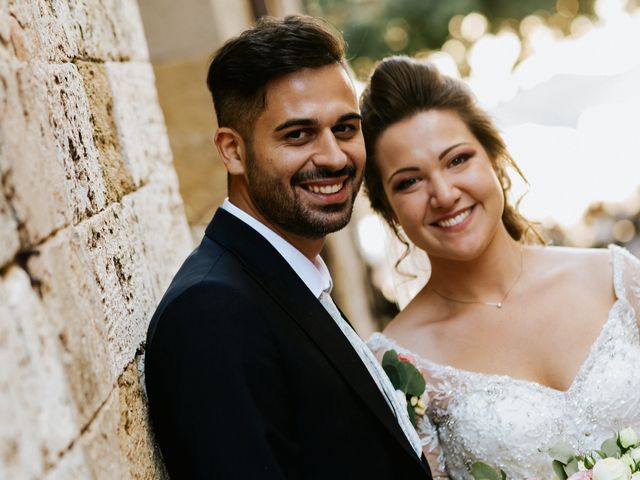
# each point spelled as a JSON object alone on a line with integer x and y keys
{"x": 581, "y": 475}
{"x": 406, "y": 358}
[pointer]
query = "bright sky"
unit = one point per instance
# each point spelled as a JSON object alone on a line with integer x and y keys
{"x": 569, "y": 112}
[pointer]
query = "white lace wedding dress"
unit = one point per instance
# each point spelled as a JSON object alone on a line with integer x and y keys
{"x": 509, "y": 423}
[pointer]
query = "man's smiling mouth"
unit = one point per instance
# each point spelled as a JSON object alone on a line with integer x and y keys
{"x": 325, "y": 189}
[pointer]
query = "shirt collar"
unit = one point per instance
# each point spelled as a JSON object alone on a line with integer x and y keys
{"x": 315, "y": 275}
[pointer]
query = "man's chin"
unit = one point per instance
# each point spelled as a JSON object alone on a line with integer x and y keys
{"x": 333, "y": 221}
{"x": 336, "y": 208}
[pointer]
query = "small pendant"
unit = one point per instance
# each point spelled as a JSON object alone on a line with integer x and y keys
{"x": 499, "y": 305}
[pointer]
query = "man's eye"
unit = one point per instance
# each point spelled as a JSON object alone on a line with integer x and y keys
{"x": 345, "y": 129}
{"x": 297, "y": 135}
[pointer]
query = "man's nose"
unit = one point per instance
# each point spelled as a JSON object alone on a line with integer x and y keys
{"x": 329, "y": 153}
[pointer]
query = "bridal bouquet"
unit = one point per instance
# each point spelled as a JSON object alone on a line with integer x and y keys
{"x": 408, "y": 382}
{"x": 617, "y": 459}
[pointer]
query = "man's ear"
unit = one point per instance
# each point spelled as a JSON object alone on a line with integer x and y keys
{"x": 232, "y": 150}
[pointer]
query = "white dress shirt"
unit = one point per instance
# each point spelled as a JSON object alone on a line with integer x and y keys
{"x": 315, "y": 275}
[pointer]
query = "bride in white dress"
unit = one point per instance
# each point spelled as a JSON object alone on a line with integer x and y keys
{"x": 521, "y": 345}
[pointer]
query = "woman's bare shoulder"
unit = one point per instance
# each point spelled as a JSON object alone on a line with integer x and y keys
{"x": 582, "y": 267}
{"x": 413, "y": 326}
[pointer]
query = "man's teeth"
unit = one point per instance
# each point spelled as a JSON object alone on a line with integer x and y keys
{"x": 325, "y": 189}
{"x": 450, "y": 222}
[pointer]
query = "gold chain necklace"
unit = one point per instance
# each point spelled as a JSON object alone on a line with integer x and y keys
{"x": 489, "y": 304}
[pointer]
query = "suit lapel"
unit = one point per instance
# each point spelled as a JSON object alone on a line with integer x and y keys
{"x": 270, "y": 269}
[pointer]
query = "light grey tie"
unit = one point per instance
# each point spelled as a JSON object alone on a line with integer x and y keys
{"x": 375, "y": 370}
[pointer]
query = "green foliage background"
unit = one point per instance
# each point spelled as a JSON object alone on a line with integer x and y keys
{"x": 365, "y": 22}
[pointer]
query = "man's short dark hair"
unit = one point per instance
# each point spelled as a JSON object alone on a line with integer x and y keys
{"x": 243, "y": 66}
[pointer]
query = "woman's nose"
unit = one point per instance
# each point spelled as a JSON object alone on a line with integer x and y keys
{"x": 444, "y": 194}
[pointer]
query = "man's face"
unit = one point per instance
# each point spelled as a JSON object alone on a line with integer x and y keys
{"x": 306, "y": 156}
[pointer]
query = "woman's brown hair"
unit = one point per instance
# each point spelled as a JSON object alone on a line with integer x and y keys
{"x": 401, "y": 87}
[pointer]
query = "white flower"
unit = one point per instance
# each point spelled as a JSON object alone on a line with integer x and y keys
{"x": 628, "y": 438}
{"x": 611, "y": 469}
{"x": 635, "y": 476}
{"x": 627, "y": 460}
{"x": 635, "y": 454}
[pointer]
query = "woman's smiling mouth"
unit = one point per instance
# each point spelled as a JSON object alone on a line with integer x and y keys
{"x": 454, "y": 220}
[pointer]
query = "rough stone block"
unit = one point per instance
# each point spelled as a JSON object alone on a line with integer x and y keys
{"x": 72, "y": 296}
{"x": 70, "y": 119}
{"x": 96, "y": 453}
{"x": 135, "y": 434}
{"x": 9, "y": 241}
{"x": 63, "y": 30}
{"x": 159, "y": 214}
{"x": 37, "y": 420}
{"x": 118, "y": 181}
{"x": 100, "y": 443}
{"x": 5, "y": 23}
{"x": 111, "y": 30}
{"x": 49, "y": 132}
{"x": 73, "y": 465}
{"x": 27, "y": 146}
{"x": 44, "y": 30}
{"x": 114, "y": 254}
{"x": 140, "y": 124}
{"x": 97, "y": 282}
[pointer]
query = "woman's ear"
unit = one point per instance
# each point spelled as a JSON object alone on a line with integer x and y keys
{"x": 503, "y": 178}
{"x": 232, "y": 150}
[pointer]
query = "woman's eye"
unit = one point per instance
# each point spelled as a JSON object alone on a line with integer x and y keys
{"x": 459, "y": 159}
{"x": 405, "y": 183}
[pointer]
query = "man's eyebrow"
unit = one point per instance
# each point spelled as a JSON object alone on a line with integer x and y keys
{"x": 296, "y": 122}
{"x": 349, "y": 116}
{"x": 310, "y": 122}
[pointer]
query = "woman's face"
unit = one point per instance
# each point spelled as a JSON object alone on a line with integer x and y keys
{"x": 441, "y": 185}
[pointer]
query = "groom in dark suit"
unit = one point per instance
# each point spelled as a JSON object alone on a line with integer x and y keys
{"x": 248, "y": 374}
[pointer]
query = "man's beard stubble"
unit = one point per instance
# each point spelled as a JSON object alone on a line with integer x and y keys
{"x": 281, "y": 205}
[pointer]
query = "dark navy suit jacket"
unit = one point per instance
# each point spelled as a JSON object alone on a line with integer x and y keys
{"x": 249, "y": 377}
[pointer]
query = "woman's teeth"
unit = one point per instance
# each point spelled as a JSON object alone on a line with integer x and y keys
{"x": 450, "y": 222}
{"x": 325, "y": 189}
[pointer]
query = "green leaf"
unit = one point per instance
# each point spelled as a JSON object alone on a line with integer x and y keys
{"x": 600, "y": 453}
{"x": 412, "y": 414}
{"x": 412, "y": 382}
{"x": 390, "y": 364}
{"x": 611, "y": 448}
{"x": 571, "y": 467}
{"x": 558, "y": 469}
{"x": 404, "y": 375}
{"x": 393, "y": 374}
{"x": 390, "y": 357}
{"x": 562, "y": 452}
{"x": 589, "y": 461}
{"x": 482, "y": 471}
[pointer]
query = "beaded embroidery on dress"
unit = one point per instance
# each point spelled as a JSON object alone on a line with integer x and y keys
{"x": 509, "y": 423}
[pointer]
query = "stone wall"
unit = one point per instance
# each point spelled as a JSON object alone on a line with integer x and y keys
{"x": 91, "y": 231}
